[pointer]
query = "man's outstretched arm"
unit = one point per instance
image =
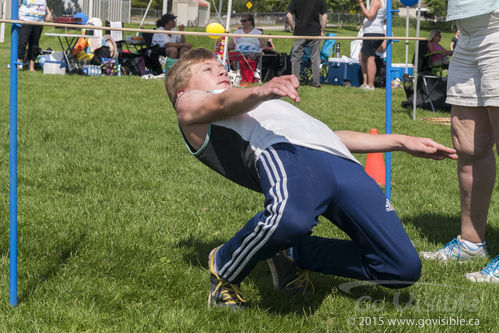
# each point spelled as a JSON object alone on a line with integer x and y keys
{"x": 358, "y": 142}
{"x": 199, "y": 107}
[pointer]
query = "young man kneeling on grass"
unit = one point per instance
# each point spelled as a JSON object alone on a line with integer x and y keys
{"x": 304, "y": 170}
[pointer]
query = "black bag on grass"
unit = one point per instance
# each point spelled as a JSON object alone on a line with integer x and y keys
{"x": 276, "y": 64}
{"x": 99, "y": 54}
{"x": 132, "y": 64}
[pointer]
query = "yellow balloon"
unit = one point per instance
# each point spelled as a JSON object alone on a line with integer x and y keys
{"x": 215, "y": 28}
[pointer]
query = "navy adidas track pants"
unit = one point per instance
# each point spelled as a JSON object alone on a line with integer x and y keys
{"x": 300, "y": 184}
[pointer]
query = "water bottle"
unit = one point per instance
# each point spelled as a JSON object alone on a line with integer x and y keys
{"x": 85, "y": 69}
{"x": 119, "y": 69}
{"x": 338, "y": 50}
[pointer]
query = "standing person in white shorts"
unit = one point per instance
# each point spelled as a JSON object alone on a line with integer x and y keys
{"x": 473, "y": 91}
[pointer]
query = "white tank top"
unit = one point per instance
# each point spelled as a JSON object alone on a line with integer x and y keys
{"x": 33, "y": 10}
{"x": 375, "y": 26}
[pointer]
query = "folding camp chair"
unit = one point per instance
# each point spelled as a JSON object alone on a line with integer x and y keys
{"x": 431, "y": 76}
{"x": 247, "y": 65}
{"x": 151, "y": 54}
{"x": 137, "y": 61}
{"x": 432, "y": 84}
{"x": 115, "y": 34}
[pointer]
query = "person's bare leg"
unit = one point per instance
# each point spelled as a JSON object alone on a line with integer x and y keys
{"x": 183, "y": 50}
{"x": 473, "y": 138}
{"x": 371, "y": 71}
{"x": 363, "y": 67}
{"x": 171, "y": 52}
{"x": 31, "y": 65}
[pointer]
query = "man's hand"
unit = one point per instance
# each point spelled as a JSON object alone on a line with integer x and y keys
{"x": 427, "y": 148}
{"x": 358, "y": 142}
{"x": 281, "y": 86}
{"x": 181, "y": 27}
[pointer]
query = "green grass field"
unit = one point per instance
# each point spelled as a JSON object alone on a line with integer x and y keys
{"x": 116, "y": 219}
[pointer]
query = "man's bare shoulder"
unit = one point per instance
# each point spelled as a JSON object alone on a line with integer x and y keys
{"x": 189, "y": 96}
{"x": 192, "y": 106}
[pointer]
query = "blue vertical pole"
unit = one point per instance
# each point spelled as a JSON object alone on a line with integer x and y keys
{"x": 388, "y": 97}
{"x": 13, "y": 153}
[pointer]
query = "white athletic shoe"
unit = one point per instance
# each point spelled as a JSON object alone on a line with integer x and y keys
{"x": 456, "y": 249}
{"x": 489, "y": 274}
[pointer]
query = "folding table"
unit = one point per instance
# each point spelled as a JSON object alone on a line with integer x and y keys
{"x": 67, "y": 46}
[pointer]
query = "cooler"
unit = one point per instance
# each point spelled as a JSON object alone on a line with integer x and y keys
{"x": 399, "y": 69}
{"x": 344, "y": 72}
{"x": 54, "y": 67}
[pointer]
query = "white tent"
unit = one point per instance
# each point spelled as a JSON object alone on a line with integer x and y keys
{"x": 4, "y": 13}
{"x": 191, "y": 12}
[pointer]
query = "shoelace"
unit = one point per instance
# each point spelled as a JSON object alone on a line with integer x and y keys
{"x": 301, "y": 282}
{"x": 491, "y": 267}
{"x": 230, "y": 292}
{"x": 449, "y": 247}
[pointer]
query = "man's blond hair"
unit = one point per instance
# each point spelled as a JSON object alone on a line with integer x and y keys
{"x": 179, "y": 75}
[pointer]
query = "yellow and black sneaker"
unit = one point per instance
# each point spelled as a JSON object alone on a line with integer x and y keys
{"x": 223, "y": 293}
{"x": 286, "y": 275}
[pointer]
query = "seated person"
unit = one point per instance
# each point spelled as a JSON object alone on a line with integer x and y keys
{"x": 438, "y": 54}
{"x": 247, "y": 44}
{"x": 171, "y": 46}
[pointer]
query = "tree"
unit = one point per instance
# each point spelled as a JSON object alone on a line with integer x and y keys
{"x": 73, "y": 7}
{"x": 56, "y": 6}
{"x": 60, "y": 7}
{"x": 437, "y": 8}
{"x": 273, "y": 5}
{"x": 156, "y": 4}
{"x": 342, "y": 6}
